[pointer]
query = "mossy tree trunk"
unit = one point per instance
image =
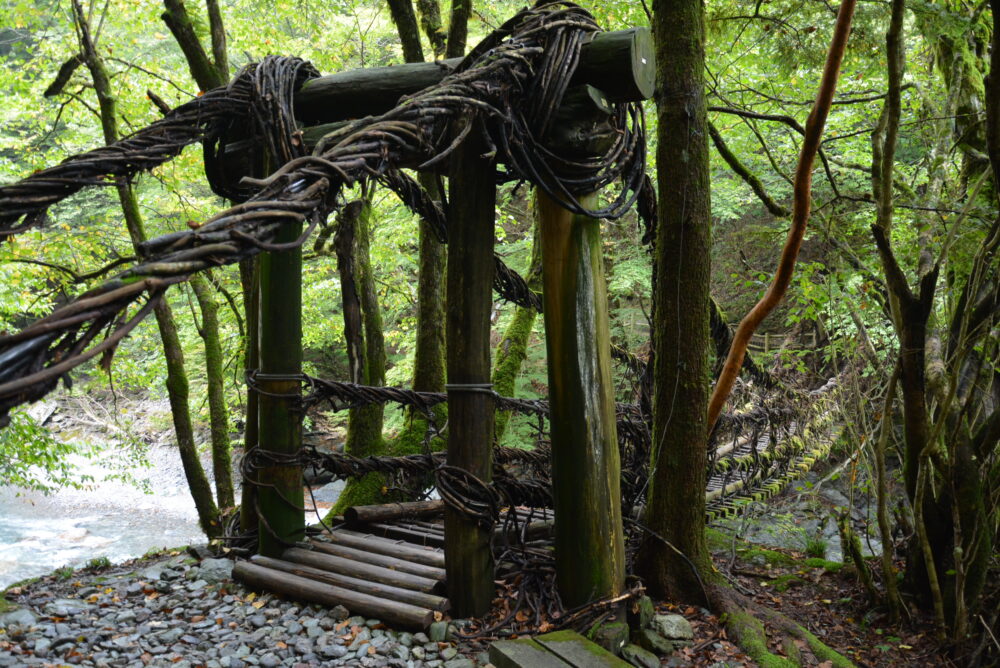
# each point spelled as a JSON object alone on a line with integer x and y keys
{"x": 177, "y": 381}
{"x": 428, "y": 362}
{"x": 365, "y": 345}
{"x": 676, "y": 497}
{"x": 512, "y": 351}
{"x": 211, "y": 71}
{"x": 222, "y": 467}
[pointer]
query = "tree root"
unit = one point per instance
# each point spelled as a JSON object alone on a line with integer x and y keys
{"x": 744, "y": 622}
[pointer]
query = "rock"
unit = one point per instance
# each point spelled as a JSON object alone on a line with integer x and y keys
{"x": 42, "y": 646}
{"x": 339, "y": 612}
{"x": 449, "y": 653}
{"x": 333, "y": 651}
{"x": 200, "y": 552}
{"x": 460, "y": 662}
{"x": 125, "y": 617}
{"x": 270, "y": 661}
{"x": 639, "y": 657}
{"x": 612, "y": 636}
{"x": 673, "y": 627}
{"x": 650, "y": 640}
{"x": 438, "y": 631}
{"x": 87, "y": 592}
{"x": 214, "y": 571}
{"x": 66, "y": 607}
{"x": 20, "y": 618}
{"x": 198, "y": 585}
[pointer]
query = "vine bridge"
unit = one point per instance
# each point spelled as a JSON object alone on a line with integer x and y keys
{"x": 547, "y": 98}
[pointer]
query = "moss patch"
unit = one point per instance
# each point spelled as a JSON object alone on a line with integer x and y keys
{"x": 751, "y": 636}
{"x": 828, "y": 566}
{"x": 783, "y": 583}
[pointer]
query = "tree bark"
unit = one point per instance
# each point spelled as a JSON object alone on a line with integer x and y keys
{"x": 676, "y": 497}
{"x": 207, "y": 75}
{"x": 222, "y": 465}
{"x": 365, "y": 346}
{"x": 458, "y": 28}
{"x": 512, "y": 350}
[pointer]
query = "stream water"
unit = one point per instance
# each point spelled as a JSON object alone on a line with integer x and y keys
{"x": 40, "y": 533}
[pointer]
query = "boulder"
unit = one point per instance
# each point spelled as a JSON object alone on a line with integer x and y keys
{"x": 639, "y": 657}
{"x": 673, "y": 627}
{"x": 214, "y": 571}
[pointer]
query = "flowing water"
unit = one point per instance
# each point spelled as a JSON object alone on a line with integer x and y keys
{"x": 40, "y": 533}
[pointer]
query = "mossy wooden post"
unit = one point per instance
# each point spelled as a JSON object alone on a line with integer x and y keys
{"x": 590, "y": 551}
{"x": 472, "y": 187}
{"x": 280, "y": 498}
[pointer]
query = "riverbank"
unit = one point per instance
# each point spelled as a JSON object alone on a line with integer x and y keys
{"x": 182, "y": 609}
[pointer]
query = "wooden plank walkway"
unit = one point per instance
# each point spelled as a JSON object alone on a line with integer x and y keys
{"x": 560, "y": 649}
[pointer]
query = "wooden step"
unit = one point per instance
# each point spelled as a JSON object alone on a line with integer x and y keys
{"x": 553, "y": 650}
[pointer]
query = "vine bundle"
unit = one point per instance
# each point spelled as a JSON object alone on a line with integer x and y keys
{"x": 511, "y": 84}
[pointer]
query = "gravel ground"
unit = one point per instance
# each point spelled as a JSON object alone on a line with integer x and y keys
{"x": 177, "y": 611}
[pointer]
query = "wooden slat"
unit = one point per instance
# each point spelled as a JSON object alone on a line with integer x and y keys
{"x": 576, "y": 650}
{"x": 387, "y": 512}
{"x": 395, "y": 548}
{"x": 417, "y": 598}
{"x": 304, "y": 589}
{"x": 524, "y": 653}
{"x": 410, "y": 535}
{"x": 381, "y": 560}
{"x": 361, "y": 570}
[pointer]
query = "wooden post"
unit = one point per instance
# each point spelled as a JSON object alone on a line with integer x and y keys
{"x": 280, "y": 499}
{"x": 472, "y": 204}
{"x": 586, "y": 470}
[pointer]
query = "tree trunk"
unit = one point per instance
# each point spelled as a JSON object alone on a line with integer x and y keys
{"x": 177, "y": 382}
{"x": 512, "y": 350}
{"x": 365, "y": 346}
{"x": 676, "y": 497}
{"x": 222, "y": 465}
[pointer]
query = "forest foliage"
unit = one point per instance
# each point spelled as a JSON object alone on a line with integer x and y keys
{"x": 763, "y": 64}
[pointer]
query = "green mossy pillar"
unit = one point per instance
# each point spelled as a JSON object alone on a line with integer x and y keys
{"x": 590, "y": 551}
{"x": 280, "y": 497}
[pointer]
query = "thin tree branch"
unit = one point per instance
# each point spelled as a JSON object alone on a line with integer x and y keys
{"x": 744, "y": 173}
{"x": 800, "y": 215}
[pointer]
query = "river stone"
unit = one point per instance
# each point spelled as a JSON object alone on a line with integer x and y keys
{"x": 66, "y": 607}
{"x": 214, "y": 571}
{"x": 20, "y": 618}
{"x": 612, "y": 636}
{"x": 639, "y": 657}
{"x": 460, "y": 662}
{"x": 673, "y": 627}
{"x": 650, "y": 640}
{"x": 438, "y": 631}
{"x": 333, "y": 651}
